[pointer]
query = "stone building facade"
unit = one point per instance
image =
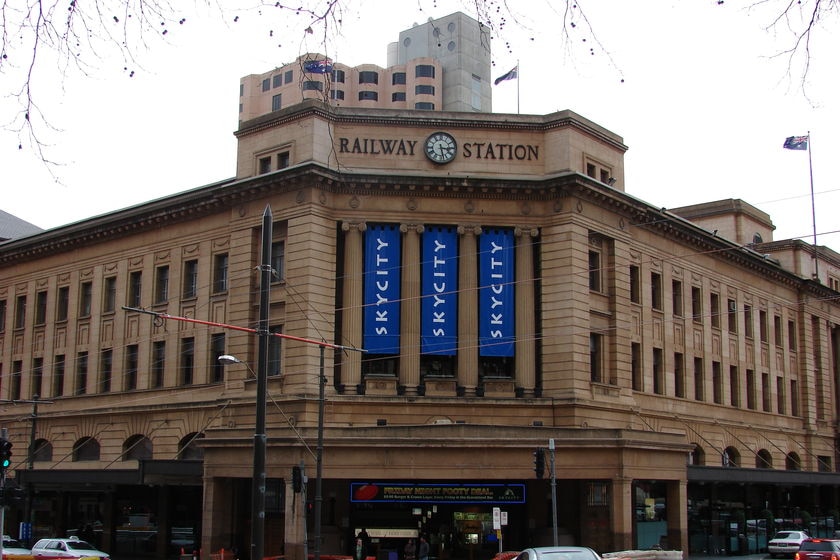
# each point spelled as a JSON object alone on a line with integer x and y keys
{"x": 506, "y": 295}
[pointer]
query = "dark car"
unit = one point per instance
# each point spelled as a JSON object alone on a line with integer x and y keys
{"x": 819, "y": 549}
{"x": 558, "y": 553}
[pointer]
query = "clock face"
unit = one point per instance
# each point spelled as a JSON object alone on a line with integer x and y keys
{"x": 441, "y": 147}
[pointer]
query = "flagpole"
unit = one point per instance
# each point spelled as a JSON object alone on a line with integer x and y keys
{"x": 518, "y": 79}
{"x": 813, "y": 213}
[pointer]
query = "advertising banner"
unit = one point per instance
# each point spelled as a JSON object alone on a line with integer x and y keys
{"x": 496, "y": 273}
{"x": 439, "y": 290}
{"x": 381, "y": 330}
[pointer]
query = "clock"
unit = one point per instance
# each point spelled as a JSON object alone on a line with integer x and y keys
{"x": 441, "y": 147}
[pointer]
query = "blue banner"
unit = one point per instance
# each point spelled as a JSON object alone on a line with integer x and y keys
{"x": 382, "y": 289}
{"x": 496, "y": 268}
{"x": 439, "y": 290}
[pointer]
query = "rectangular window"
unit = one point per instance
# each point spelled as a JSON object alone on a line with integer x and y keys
{"x": 283, "y": 160}
{"x": 266, "y": 84}
{"x": 824, "y": 462}
{"x": 424, "y": 106}
{"x": 595, "y": 362}
{"x": 714, "y": 309}
{"x": 656, "y": 290}
{"x": 339, "y": 94}
{"x": 276, "y": 102}
{"x": 398, "y": 78}
{"x": 595, "y": 271}
{"x": 135, "y": 288}
{"x": 368, "y": 96}
{"x": 734, "y": 387}
{"x": 2, "y": 315}
{"x": 158, "y": 363}
{"x": 698, "y": 380}
{"x": 312, "y": 85}
{"x": 658, "y": 372}
{"x": 288, "y": 76}
{"x": 717, "y": 383}
{"x": 278, "y": 261}
{"x": 187, "y": 361}
{"x": 85, "y": 299}
{"x": 17, "y": 374}
{"x": 424, "y": 90}
{"x": 636, "y": 366}
{"x": 37, "y": 377}
{"x": 748, "y": 321}
{"x": 679, "y": 375}
{"x": 81, "y": 373}
{"x": 792, "y": 336}
{"x": 697, "y": 304}
{"x": 264, "y": 165}
{"x": 424, "y": 71}
{"x": 780, "y": 395}
{"x": 732, "y": 315}
{"x": 40, "y": 307}
{"x": 220, "y": 273}
{"x": 58, "y": 376}
{"x": 162, "y": 284}
{"x": 62, "y": 303}
{"x": 635, "y": 284}
{"x": 794, "y": 398}
{"x": 777, "y": 331}
{"x": 677, "y": 297}
{"x": 190, "y": 279}
{"x": 751, "y": 404}
{"x": 132, "y": 354}
{"x": 109, "y": 297}
{"x": 217, "y": 348}
{"x": 338, "y": 76}
{"x": 368, "y": 77}
{"x": 591, "y": 170}
{"x": 277, "y": 80}
{"x": 274, "y": 349}
{"x": 20, "y": 312}
{"x": 762, "y": 325}
{"x": 106, "y": 369}
{"x": 765, "y": 393}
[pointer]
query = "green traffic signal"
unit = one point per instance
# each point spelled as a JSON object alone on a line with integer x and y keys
{"x": 5, "y": 454}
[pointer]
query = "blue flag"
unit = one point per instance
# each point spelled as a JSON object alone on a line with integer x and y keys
{"x": 512, "y": 75}
{"x": 796, "y": 143}
{"x": 318, "y": 66}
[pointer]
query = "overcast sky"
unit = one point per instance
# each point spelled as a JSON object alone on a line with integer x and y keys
{"x": 692, "y": 87}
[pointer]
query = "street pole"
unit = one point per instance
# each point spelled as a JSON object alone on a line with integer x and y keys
{"x": 259, "y": 479}
{"x": 553, "y": 491}
{"x": 319, "y": 451}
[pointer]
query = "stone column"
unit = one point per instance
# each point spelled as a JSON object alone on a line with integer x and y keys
{"x": 525, "y": 345}
{"x": 621, "y": 503}
{"x": 351, "y": 323}
{"x": 410, "y": 309}
{"x": 468, "y": 309}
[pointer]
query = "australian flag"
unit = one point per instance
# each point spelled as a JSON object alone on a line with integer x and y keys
{"x": 318, "y": 66}
{"x": 796, "y": 143}
{"x": 512, "y": 75}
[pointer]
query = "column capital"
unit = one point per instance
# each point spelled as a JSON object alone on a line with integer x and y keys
{"x": 521, "y": 231}
{"x": 418, "y": 228}
{"x": 473, "y": 229}
{"x": 359, "y": 226}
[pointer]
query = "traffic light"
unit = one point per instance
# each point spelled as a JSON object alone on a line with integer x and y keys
{"x": 5, "y": 456}
{"x": 539, "y": 462}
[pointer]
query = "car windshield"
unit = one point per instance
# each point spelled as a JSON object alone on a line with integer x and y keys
{"x": 786, "y": 535}
{"x": 80, "y": 545}
{"x": 568, "y": 555}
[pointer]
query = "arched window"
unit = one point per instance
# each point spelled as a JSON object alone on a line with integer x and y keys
{"x": 697, "y": 456}
{"x": 731, "y": 457}
{"x": 137, "y": 447}
{"x": 188, "y": 449}
{"x": 42, "y": 450}
{"x": 793, "y": 462}
{"x": 763, "y": 459}
{"x": 86, "y": 449}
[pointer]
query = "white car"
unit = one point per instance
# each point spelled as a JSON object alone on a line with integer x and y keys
{"x": 66, "y": 548}
{"x": 12, "y": 548}
{"x": 786, "y": 543}
{"x": 558, "y": 553}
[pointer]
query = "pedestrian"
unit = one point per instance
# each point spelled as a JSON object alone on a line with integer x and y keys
{"x": 423, "y": 550}
{"x": 410, "y": 550}
{"x": 360, "y": 553}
